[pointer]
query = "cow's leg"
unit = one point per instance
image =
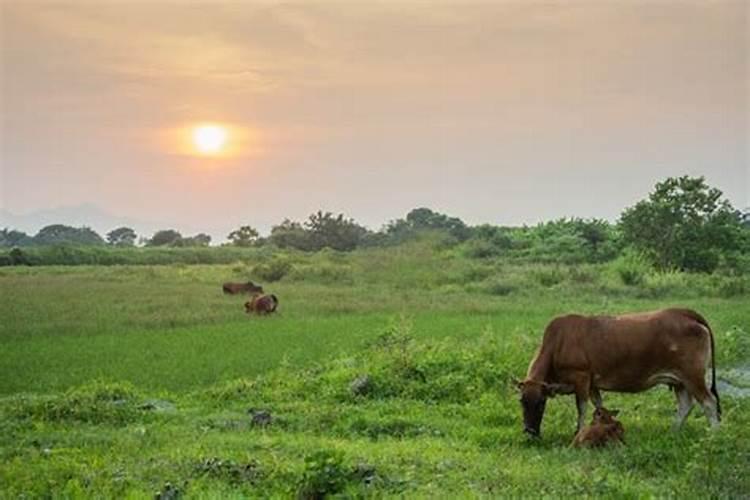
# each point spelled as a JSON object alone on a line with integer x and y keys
{"x": 583, "y": 392}
{"x": 684, "y": 405}
{"x": 710, "y": 409}
{"x": 582, "y": 405}
{"x": 707, "y": 400}
{"x": 596, "y": 397}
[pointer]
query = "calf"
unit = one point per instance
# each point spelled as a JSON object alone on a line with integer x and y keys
{"x": 603, "y": 429}
{"x": 235, "y": 288}
{"x": 262, "y": 304}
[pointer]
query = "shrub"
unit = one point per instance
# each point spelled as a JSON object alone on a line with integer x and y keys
{"x": 324, "y": 474}
{"x": 660, "y": 284}
{"x": 274, "y": 270}
{"x": 632, "y": 268}
{"x": 548, "y": 277}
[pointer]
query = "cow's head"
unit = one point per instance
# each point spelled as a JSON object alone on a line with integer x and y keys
{"x": 275, "y": 302}
{"x": 252, "y": 288}
{"x": 534, "y": 396}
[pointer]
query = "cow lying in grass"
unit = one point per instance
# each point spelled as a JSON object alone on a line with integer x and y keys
{"x": 235, "y": 288}
{"x": 604, "y": 429}
{"x": 261, "y": 304}
{"x": 582, "y": 355}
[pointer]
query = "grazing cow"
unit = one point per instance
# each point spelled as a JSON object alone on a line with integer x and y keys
{"x": 582, "y": 355}
{"x": 262, "y": 304}
{"x": 604, "y": 429}
{"x": 235, "y": 288}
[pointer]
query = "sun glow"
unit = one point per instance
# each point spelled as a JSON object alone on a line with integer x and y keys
{"x": 213, "y": 143}
{"x": 210, "y": 139}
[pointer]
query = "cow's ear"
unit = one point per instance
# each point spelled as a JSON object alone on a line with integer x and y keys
{"x": 552, "y": 390}
{"x": 614, "y": 413}
{"x": 518, "y": 383}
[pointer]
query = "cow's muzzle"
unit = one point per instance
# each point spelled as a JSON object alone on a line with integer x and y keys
{"x": 531, "y": 432}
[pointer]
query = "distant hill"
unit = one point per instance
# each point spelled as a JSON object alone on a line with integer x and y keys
{"x": 86, "y": 214}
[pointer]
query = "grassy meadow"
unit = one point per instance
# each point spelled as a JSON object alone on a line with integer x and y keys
{"x": 386, "y": 372}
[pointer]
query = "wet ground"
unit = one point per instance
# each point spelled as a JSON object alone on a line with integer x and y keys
{"x": 734, "y": 382}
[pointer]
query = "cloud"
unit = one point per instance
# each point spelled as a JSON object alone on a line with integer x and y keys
{"x": 360, "y": 102}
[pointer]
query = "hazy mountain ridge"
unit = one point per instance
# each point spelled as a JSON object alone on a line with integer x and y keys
{"x": 86, "y": 214}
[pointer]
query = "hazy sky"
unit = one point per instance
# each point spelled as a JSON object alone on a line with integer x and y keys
{"x": 502, "y": 112}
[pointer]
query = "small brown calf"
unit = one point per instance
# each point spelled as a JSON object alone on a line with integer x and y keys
{"x": 602, "y": 430}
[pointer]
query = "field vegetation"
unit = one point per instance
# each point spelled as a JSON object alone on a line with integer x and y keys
{"x": 387, "y": 371}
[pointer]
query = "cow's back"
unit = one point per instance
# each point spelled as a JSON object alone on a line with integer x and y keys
{"x": 629, "y": 352}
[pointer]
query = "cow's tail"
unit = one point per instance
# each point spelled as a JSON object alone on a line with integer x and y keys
{"x": 713, "y": 372}
{"x": 700, "y": 319}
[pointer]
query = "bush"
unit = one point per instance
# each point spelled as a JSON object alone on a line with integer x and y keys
{"x": 274, "y": 270}
{"x": 632, "y": 268}
{"x": 480, "y": 249}
{"x": 660, "y": 284}
{"x": 324, "y": 474}
{"x": 548, "y": 277}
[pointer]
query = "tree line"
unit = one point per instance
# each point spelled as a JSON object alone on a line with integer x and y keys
{"x": 683, "y": 224}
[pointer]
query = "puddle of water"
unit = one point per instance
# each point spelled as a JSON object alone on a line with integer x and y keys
{"x": 734, "y": 382}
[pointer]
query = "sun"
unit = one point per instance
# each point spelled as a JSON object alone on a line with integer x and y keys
{"x": 210, "y": 139}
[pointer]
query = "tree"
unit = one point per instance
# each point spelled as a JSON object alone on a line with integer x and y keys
{"x": 122, "y": 237}
{"x": 245, "y": 236}
{"x": 13, "y": 238}
{"x": 199, "y": 240}
{"x": 334, "y": 231}
{"x": 684, "y": 224}
{"x": 320, "y": 230}
{"x": 424, "y": 219}
{"x": 59, "y": 233}
{"x": 290, "y": 234}
{"x": 165, "y": 237}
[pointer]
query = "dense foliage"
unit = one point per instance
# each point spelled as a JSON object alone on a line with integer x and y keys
{"x": 684, "y": 224}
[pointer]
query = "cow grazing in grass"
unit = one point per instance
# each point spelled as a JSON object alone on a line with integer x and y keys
{"x": 261, "y": 304}
{"x": 583, "y": 355}
{"x": 604, "y": 429}
{"x": 235, "y": 288}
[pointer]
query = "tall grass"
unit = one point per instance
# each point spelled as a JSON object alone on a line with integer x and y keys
{"x": 386, "y": 372}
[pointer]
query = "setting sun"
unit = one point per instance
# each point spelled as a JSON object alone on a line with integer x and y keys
{"x": 209, "y": 139}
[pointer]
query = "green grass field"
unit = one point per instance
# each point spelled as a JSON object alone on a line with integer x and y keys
{"x": 126, "y": 381}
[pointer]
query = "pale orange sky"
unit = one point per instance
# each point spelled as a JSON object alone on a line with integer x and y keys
{"x": 502, "y": 112}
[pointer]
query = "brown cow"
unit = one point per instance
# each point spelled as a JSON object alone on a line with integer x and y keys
{"x": 604, "y": 429}
{"x": 582, "y": 355}
{"x": 235, "y": 288}
{"x": 262, "y": 304}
